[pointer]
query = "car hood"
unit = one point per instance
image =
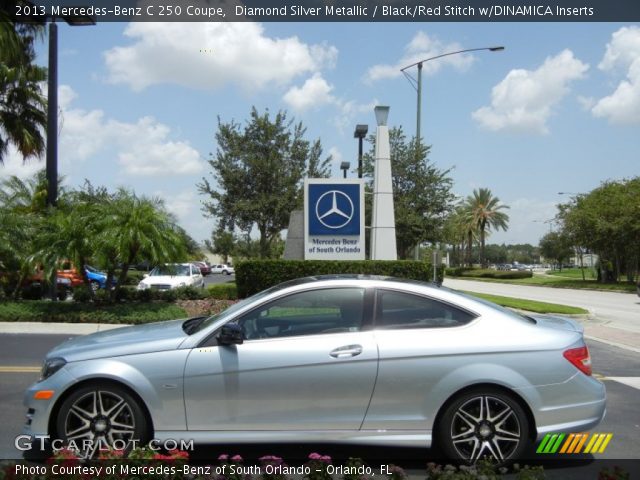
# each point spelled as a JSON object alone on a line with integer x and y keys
{"x": 166, "y": 279}
{"x": 151, "y": 337}
{"x": 557, "y": 323}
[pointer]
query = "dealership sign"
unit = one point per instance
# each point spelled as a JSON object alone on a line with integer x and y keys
{"x": 333, "y": 219}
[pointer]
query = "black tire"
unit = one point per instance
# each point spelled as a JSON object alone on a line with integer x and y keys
{"x": 481, "y": 423}
{"x": 91, "y": 413}
{"x": 95, "y": 286}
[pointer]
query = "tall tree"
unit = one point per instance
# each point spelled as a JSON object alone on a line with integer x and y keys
{"x": 222, "y": 243}
{"x": 422, "y": 194}
{"x": 22, "y": 105}
{"x": 607, "y": 222}
{"x": 485, "y": 211}
{"x": 556, "y": 246}
{"x": 259, "y": 172}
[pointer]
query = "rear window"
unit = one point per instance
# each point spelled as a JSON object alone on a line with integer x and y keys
{"x": 400, "y": 310}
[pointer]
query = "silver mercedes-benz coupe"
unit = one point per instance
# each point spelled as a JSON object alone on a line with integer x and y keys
{"x": 339, "y": 359}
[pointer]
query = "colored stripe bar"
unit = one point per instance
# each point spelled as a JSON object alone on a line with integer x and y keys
{"x": 567, "y": 443}
{"x": 543, "y": 443}
{"x": 555, "y": 447}
{"x": 606, "y": 442}
{"x": 581, "y": 443}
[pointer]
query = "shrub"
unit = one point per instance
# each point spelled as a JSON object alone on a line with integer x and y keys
{"x": 81, "y": 295}
{"x": 222, "y": 291}
{"x": 255, "y": 275}
{"x": 189, "y": 293}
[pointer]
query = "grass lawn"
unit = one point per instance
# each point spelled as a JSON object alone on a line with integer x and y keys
{"x": 556, "y": 281}
{"x": 530, "y": 305}
{"x": 574, "y": 273}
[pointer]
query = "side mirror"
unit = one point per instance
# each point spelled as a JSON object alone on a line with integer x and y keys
{"x": 231, "y": 334}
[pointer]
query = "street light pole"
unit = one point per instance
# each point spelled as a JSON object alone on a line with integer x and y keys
{"x": 52, "y": 102}
{"x": 52, "y": 116}
{"x": 417, "y": 84}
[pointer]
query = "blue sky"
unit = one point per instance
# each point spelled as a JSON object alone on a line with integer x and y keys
{"x": 558, "y": 110}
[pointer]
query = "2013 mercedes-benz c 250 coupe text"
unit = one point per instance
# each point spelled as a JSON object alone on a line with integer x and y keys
{"x": 341, "y": 359}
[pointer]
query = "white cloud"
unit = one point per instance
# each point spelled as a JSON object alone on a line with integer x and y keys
{"x": 419, "y": 48}
{"x": 208, "y": 55}
{"x": 13, "y": 164}
{"x": 142, "y": 148}
{"x": 315, "y": 92}
{"x": 524, "y": 100}
{"x": 623, "y": 105}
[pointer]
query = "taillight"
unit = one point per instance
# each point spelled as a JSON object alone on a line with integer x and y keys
{"x": 580, "y": 358}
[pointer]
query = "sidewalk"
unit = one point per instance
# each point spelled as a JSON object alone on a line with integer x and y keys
{"x": 612, "y": 336}
{"x": 45, "y": 328}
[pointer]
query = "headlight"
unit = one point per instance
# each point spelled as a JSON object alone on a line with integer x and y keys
{"x": 51, "y": 366}
{"x": 142, "y": 286}
{"x": 182, "y": 284}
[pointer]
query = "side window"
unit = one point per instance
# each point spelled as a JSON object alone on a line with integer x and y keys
{"x": 332, "y": 310}
{"x": 398, "y": 310}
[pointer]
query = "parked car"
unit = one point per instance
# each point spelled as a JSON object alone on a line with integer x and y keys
{"x": 172, "y": 275}
{"x": 344, "y": 358}
{"x": 222, "y": 268}
{"x": 97, "y": 278}
{"x": 204, "y": 267}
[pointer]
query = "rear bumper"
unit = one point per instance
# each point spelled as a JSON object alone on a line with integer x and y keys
{"x": 576, "y": 405}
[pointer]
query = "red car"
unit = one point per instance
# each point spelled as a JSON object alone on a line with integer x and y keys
{"x": 204, "y": 267}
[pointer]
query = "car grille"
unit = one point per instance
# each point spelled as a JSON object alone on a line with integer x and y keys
{"x": 161, "y": 286}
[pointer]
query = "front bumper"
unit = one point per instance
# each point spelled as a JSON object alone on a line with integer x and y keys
{"x": 39, "y": 411}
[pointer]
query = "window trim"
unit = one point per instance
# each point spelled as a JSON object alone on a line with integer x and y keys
{"x": 379, "y": 290}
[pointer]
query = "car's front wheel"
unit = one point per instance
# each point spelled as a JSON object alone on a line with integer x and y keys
{"x": 101, "y": 416}
{"x": 483, "y": 423}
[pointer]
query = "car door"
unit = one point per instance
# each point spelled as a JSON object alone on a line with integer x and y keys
{"x": 306, "y": 364}
{"x": 420, "y": 341}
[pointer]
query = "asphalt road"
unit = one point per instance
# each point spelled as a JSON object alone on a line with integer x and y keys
{"x": 19, "y": 350}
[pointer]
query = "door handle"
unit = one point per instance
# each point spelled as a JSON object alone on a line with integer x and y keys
{"x": 346, "y": 351}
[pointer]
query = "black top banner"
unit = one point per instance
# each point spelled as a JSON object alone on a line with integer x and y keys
{"x": 328, "y": 10}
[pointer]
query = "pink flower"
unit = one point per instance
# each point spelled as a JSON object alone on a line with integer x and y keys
{"x": 223, "y": 457}
{"x": 325, "y": 459}
{"x": 236, "y": 458}
{"x": 315, "y": 456}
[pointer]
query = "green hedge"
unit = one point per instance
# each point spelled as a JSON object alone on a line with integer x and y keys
{"x": 71, "y": 312}
{"x": 222, "y": 291}
{"x": 253, "y": 276}
{"x": 487, "y": 273}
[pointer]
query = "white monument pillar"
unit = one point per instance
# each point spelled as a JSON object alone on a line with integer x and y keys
{"x": 383, "y": 224}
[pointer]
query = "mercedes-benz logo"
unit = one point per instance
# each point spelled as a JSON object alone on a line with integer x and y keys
{"x": 337, "y": 210}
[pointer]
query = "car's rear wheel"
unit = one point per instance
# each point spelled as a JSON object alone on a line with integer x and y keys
{"x": 95, "y": 286}
{"x": 483, "y": 423}
{"x": 101, "y": 416}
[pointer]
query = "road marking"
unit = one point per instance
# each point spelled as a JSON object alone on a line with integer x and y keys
{"x": 630, "y": 381}
{"x": 19, "y": 369}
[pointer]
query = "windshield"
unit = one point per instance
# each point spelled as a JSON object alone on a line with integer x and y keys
{"x": 172, "y": 270}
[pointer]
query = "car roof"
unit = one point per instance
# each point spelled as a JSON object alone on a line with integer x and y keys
{"x": 353, "y": 276}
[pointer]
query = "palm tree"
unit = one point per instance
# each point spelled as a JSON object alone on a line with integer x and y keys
{"x": 484, "y": 210}
{"x": 22, "y": 105}
{"x": 140, "y": 228}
